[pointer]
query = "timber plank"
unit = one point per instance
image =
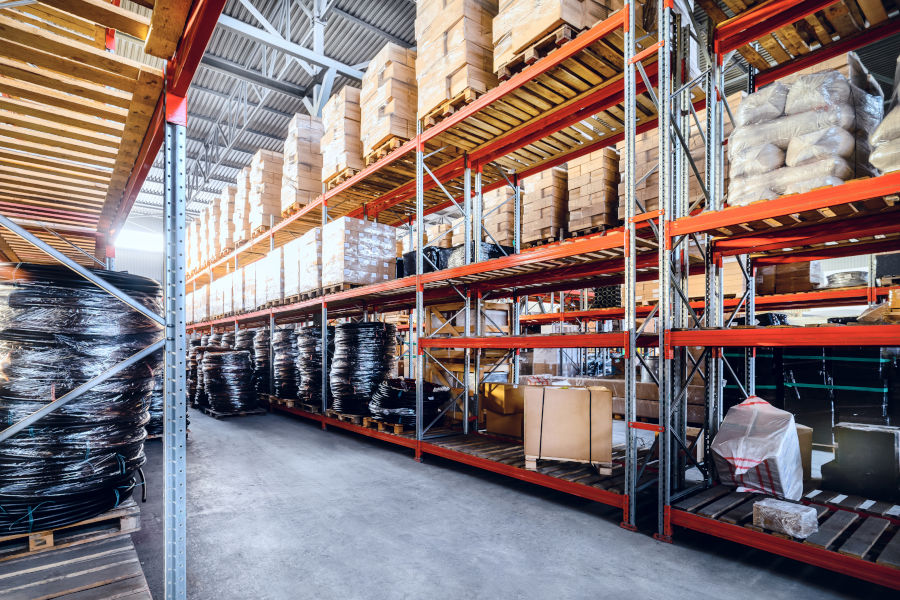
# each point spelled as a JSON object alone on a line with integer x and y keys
{"x": 832, "y": 528}
{"x": 63, "y": 117}
{"x": 862, "y": 540}
{"x": 695, "y": 501}
{"x": 51, "y": 97}
{"x": 718, "y": 507}
{"x": 45, "y": 150}
{"x": 890, "y": 556}
{"x": 48, "y": 127}
{"x": 166, "y": 25}
{"x": 26, "y": 135}
{"x": 105, "y": 14}
{"x": 740, "y": 513}
{"x": 61, "y": 83}
{"x": 873, "y": 11}
{"x": 52, "y": 166}
{"x": 59, "y": 64}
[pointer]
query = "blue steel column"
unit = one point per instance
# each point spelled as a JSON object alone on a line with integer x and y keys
{"x": 175, "y": 432}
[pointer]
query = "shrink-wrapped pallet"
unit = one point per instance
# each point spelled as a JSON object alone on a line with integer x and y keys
{"x": 310, "y": 258}
{"x": 341, "y": 144}
{"x": 201, "y": 303}
{"x": 227, "y": 293}
{"x": 226, "y": 218}
{"x": 499, "y": 218}
{"x": 544, "y": 205}
{"x": 357, "y": 252}
{"x": 593, "y": 190}
{"x": 270, "y": 277}
{"x": 249, "y": 290}
{"x": 264, "y": 200}
{"x": 237, "y": 290}
{"x": 213, "y": 219}
{"x": 885, "y": 139}
{"x": 242, "y": 208}
{"x": 454, "y": 51}
{"x": 521, "y": 23}
{"x": 189, "y": 307}
{"x": 388, "y": 98}
{"x": 301, "y": 175}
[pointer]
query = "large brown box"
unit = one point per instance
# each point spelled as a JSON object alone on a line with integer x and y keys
{"x": 341, "y": 146}
{"x": 544, "y": 205}
{"x": 499, "y": 216}
{"x": 388, "y": 98}
{"x": 568, "y": 423}
{"x": 510, "y": 425}
{"x": 301, "y": 175}
{"x": 593, "y": 190}
{"x": 503, "y": 398}
{"x": 788, "y": 278}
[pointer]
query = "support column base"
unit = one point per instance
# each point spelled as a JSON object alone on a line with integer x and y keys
{"x": 662, "y": 538}
{"x": 628, "y": 526}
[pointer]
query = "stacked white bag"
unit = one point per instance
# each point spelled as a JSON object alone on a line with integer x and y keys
{"x": 811, "y": 133}
{"x": 886, "y": 137}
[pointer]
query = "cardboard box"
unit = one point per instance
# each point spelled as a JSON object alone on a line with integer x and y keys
{"x": 388, "y": 98}
{"x": 503, "y": 398}
{"x": 500, "y": 424}
{"x": 341, "y": 145}
{"x": 301, "y": 174}
{"x": 568, "y": 423}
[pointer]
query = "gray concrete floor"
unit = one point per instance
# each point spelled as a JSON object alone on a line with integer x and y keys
{"x": 279, "y": 509}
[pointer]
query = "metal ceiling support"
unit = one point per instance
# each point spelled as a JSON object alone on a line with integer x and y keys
{"x": 217, "y": 63}
{"x": 194, "y": 116}
{"x": 217, "y": 93}
{"x": 368, "y": 26}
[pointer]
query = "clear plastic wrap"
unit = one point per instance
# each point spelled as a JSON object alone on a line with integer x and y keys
{"x": 886, "y": 156}
{"x": 795, "y": 520}
{"x": 227, "y": 380}
{"x": 817, "y": 145}
{"x": 57, "y": 331}
{"x": 309, "y": 257}
{"x": 395, "y": 401}
{"x": 756, "y": 449}
{"x": 284, "y": 361}
{"x": 309, "y": 363}
{"x": 789, "y": 180}
{"x": 356, "y": 251}
{"x": 457, "y": 256}
{"x": 765, "y": 105}
{"x": 261, "y": 361}
{"x": 755, "y": 160}
{"x": 363, "y": 356}
{"x": 814, "y": 91}
{"x": 780, "y": 131}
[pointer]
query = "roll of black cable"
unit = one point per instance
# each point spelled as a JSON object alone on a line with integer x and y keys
{"x": 363, "y": 354}
{"x": 227, "y": 339}
{"x": 193, "y": 370}
{"x": 395, "y": 401}
{"x": 457, "y": 257}
{"x": 284, "y": 362}
{"x": 156, "y": 402}
{"x": 309, "y": 363}
{"x": 57, "y": 331}
{"x": 228, "y": 382}
{"x": 243, "y": 341}
{"x": 201, "y": 398}
{"x": 204, "y": 339}
{"x": 261, "y": 361}
{"x": 215, "y": 339}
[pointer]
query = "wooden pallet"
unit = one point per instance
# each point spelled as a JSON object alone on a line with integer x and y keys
{"x": 339, "y": 287}
{"x": 308, "y": 295}
{"x": 383, "y": 149}
{"x": 292, "y": 209}
{"x": 289, "y": 402}
{"x": 355, "y": 419}
{"x": 395, "y": 428}
{"x": 224, "y": 252}
{"x": 538, "y": 50}
{"x": 541, "y": 241}
{"x": 310, "y": 408}
{"x": 125, "y": 518}
{"x": 448, "y": 107}
{"x": 259, "y": 231}
{"x": 340, "y": 177}
{"x": 100, "y": 569}
{"x": 224, "y": 415}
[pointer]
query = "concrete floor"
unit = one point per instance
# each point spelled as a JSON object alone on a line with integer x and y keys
{"x": 278, "y": 509}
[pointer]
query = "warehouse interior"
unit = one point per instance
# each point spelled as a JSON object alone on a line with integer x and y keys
{"x": 449, "y": 298}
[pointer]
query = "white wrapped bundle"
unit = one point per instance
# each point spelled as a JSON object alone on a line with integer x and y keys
{"x": 885, "y": 139}
{"x": 820, "y": 144}
{"x": 763, "y": 106}
{"x": 756, "y": 160}
{"x": 886, "y": 156}
{"x": 815, "y": 91}
{"x": 807, "y": 184}
{"x": 781, "y": 131}
{"x": 829, "y": 171}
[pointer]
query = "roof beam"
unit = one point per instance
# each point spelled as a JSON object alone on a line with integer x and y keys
{"x": 223, "y": 95}
{"x": 241, "y": 72}
{"x": 208, "y": 119}
{"x": 296, "y": 50}
{"x": 374, "y": 29}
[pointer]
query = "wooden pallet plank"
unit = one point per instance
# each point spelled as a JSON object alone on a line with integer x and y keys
{"x": 695, "y": 501}
{"x": 890, "y": 556}
{"x": 863, "y": 539}
{"x": 833, "y": 527}
{"x": 105, "y": 14}
{"x": 718, "y": 507}
{"x": 740, "y": 513}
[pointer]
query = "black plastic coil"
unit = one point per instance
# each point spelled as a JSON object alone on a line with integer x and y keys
{"x": 261, "y": 361}
{"x": 395, "y": 401}
{"x": 227, "y": 339}
{"x": 228, "y": 382}
{"x": 363, "y": 356}
{"x": 284, "y": 359}
{"x": 309, "y": 363}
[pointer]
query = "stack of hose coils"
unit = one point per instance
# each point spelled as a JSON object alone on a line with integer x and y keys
{"x": 227, "y": 339}
{"x": 309, "y": 363}
{"x": 363, "y": 355}
{"x": 58, "y": 331}
{"x": 228, "y": 382}
{"x": 261, "y": 361}
{"x": 284, "y": 363}
{"x": 201, "y": 398}
{"x": 395, "y": 401}
{"x": 204, "y": 339}
{"x": 156, "y": 401}
{"x": 243, "y": 341}
{"x": 193, "y": 370}
{"x": 215, "y": 339}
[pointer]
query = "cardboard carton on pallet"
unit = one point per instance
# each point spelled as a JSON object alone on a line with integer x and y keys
{"x": 435, "y": 233}
{"x": 499, "y": 215}
{"x": 544, "y": 205}
{"x": 357, "y": 252}
{"x": 388, "y": 101}
{"x": 237, "y": 290}
{"x": 341, "y": 145}
{"x": 242, "y": 208}
{"x": 212, "y": 222}
{"x": 203, "y": 238}
{"x": 303, "y": 264}
{"x": 264, "y": 199}
{"x": 301, "y": 175}
{"x": 226, "y": 218}
{"x": 192, "y": 261}
{"x": 593, "y": 191}
{"x": 455, "y": 54}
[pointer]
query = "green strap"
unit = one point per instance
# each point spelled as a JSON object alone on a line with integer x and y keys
{"x": 849, "y": 388}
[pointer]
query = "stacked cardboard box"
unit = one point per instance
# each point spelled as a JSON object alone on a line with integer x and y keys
{"x": 201, "y": 303}
{"x": 504, "y": 408}
{"x": 226, "y": 218}
{"x": 270, "y": 277}
{"x": 189, "y": 307}
{"x": 388, "y": 98}
{"x": 237, "y": 290}
{"x": 435, "y": 233}
{"x": 521, "y": 23}
{"x": 501, "y": 222}
{"x": 357, "y": 252}
{"x": 249, "y": 289}
{"x": 302, "y": 263}
{"x": 265, "y": 189}
{"x": 213, "y": 220}
{"x": 203, "y": 236}
{"x": 593, "y": 190}
{"x": 341, "y": 144}
{"x": 192, "y": 241}
{"x": 789, "y": 278}
{"x": 647, "y": 292}
{"x": 242, "y": 208}
{"x": 544, "y": 205}
{"x": 455, "y": 50}
{"x": 301, "y": 175}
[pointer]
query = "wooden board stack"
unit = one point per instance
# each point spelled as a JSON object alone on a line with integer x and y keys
{"x": 501, "y": 222}
{"x": 455, "y": 53}
{"x": 265, "y": 189}
{"x": 388, "y": 101}
{"x": 226, "y": 218}
{"x": 521, "y": 23}
{"x": 242, "y": 208}
{"x": 544, "y": 205}
{"x": 301, "y": 175}
{"x": 593, "y": 190}
{"x": 341, "y": 145}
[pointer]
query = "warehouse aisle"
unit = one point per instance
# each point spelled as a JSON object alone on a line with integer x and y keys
{"x": 278, "y": 509}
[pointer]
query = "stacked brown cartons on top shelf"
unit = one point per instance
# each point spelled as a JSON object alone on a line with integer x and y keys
{"x": 388, "y": 101}
{"x": 544, "y": 210}
{"x": 212, "y": 223}
{"x": 341, "y": 146}
{"x": 436, "y": 232}
{"x": 203, "y": 237}
{"x": 242, "y": 208}
{"x": 301, "y": 175}
{"x": 455, "y": 53}
{"x": 265, "y": 190}
{"x": 593, "y": 191}
{"x": 499, "y": 215}
{"x": 226, "y": 218}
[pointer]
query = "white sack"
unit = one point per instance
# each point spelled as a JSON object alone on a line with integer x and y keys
{"x": 886, "y": 156}
{"x": 815, "y": 91}
{"x": 820, "y": 144}
{"x": 764, "y": 105}
{"x": 755, "y": 160}
{"x": 780, "y": 131}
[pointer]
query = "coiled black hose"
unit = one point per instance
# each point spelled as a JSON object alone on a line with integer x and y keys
{"x": 309, "y": 363}
{"x": 261, "y": 361}
{"x": 243, "y": 341}
{"x": 395, "y": 401}
{"x": 57, "y": 331}
{"x": 201, "y": 398}
{"x": 227, "y": 381}
{"x": 284, "y": 362}
{"x": 363, "y": 355}
{"x": 156, "y": 403}
{"x": 227, "y": 339}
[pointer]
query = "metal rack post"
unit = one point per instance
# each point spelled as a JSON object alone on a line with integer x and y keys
{"x": 420, "y": 309}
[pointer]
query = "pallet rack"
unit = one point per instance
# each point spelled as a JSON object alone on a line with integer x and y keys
{"x": 607, "y": 85}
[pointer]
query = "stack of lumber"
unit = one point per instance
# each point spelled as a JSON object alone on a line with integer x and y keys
{"x": 242, "y": 208}
{"x": 544, "y": 205}
{"x": 521, "y": 23}
{"x": 301, "y": 175}
{"x": 265, "y": 189}
{"x": 455, "y": 53}
{"x": 341, "y": 145}
{"x": 226, "y": 218}
{"x": 593, "y": 191}
{"x": 499, "y": 215}
{"x": 388, "y": 101}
